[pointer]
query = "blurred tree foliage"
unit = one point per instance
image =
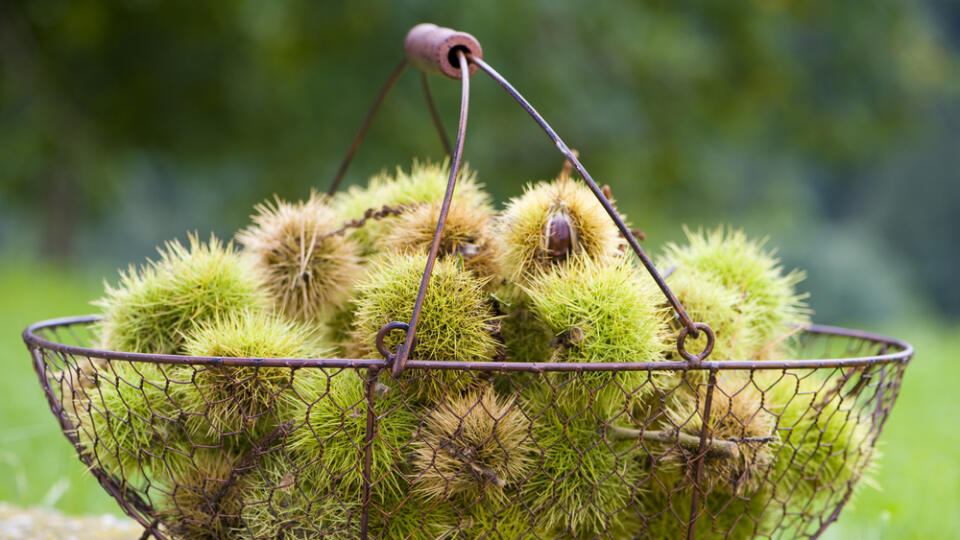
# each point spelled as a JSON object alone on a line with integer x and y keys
{"x": 127, "y": 122}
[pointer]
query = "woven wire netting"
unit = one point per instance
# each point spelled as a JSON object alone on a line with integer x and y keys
{"x": 345, "y": 452}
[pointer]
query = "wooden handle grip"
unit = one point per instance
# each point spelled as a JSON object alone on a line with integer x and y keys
{"x": 433, "y": 48}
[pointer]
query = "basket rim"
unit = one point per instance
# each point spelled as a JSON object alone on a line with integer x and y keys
{"x": 902, "y": 354}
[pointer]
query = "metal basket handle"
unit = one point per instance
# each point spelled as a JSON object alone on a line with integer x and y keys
{"x": 459, "y": 55}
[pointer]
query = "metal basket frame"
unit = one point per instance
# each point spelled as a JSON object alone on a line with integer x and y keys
{"x": 458, "y": 56}
{"x": 891, "y": 358}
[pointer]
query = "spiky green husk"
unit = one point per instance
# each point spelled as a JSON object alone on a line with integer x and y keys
{"x": 413, "y": 518}
{"x": 426, "y": 183}
{"x": 456, "y": 321}
{"x": 665, "y": 512}
{"x": 201, "y": 500}
{"x": 726, "y": 310}
{"x": 154, "y": 306}
{"x": 522, "y": 227}
{"x": 601, "y": 313}
{"x": 769, "y": 305}
{"x": 826, "y": 443}
{"x": 309, "y": 270}
{"x": 511, "y": 521}
{"x": 222, "y": 400}
{"x": 583, "y": 482}
{"x": 338, "y": 327}
{"x": 331, "y": 412}
{"x": 277, "y": 505}
{"x": 526, "y": 338}
{"x": 737, "y": 412}
{"x": 467, "y": 234}
{"x": 128, "y": 424}
{"x": 471, "y": 446}
{"x": 282, "y": 503}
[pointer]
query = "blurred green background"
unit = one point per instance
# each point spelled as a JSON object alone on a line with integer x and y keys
{"x": 831, "y": 127}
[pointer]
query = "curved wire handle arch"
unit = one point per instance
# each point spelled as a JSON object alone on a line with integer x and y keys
{"x": 464, "y": 58}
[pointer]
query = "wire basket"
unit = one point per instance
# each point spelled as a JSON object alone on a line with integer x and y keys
{"x": 714, "y": 449}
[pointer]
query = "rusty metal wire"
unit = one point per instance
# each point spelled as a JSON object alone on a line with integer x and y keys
{"x": 531, "y": 451}
{"x": 691, "y": 327}
{"x": 403, "y": 353}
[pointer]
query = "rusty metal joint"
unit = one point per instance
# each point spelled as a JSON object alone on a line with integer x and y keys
{"x": 696, "y": 329}
{"x": 387, "y": 354}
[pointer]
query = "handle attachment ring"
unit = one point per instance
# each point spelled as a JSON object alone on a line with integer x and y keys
{"x": 382, "y": 334}
{"x": 697, "y": 328}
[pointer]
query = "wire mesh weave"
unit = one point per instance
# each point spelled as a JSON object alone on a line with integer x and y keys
{"x": 763, "y": 449}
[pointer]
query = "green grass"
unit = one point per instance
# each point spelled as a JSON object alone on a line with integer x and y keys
{"x": 37, "y": 464}
{"x": 918, "y": 493}
{"x": 919, "y": 474}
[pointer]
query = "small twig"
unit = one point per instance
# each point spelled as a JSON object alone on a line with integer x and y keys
{"x": 748, "y": 440}
{"x": 370, "y": 214}
{"x": 716, "y": 447}
{"x": 466, "y": 456}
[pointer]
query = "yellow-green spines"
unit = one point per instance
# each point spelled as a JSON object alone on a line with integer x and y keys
{"x": 337, "y": 327}
{"x": 530, "y": 224}
{"x": 582, "y": 481}
{"x": 424, "y": 184}
{"x": 726, "y": 310}
{"x": 128, "y": 424}
{"x": 308, "y": 266}
{"x": 413, "y": 518}
{"x": 202, "y": 501}
{"x": 664, "y": 512}
{"x": 331, "y": 415}
{"x": 826, "y": 442}
{"x": 456, "y": 321}
{"x": 226, "y": 400}
{"x": 769, "y": 302}
{"x": 283, "y": 502}
{"x": 471, "y": 446}
{"x": 742, "y": 437}
{"x": 511, "y": 521}
{"x": 601, "y": 313}
{"x": 526, "y": 338}
{"x": 276, "y": 505}
{"x": 152, "y": 307}
{"x": 467, "y": 234}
